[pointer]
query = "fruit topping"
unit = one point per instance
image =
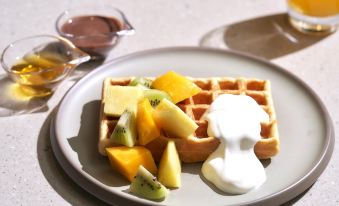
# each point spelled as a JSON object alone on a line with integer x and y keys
{"x": 125, "y": 132}
{"x": 155, "y": 96}
{"x": 173, "y": 120}
{"x": 146, "y": 185}
{"x": 141, "y": 82}
{"x": 176, "y": 85}
{"x": 169, "y": 173}
{"x": 146, "y": 127}
{"x": 128, "y": 159}
{"x": 119, "y": 98}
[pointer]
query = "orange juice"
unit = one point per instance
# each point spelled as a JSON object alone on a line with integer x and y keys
{"x": 315, "y": 8}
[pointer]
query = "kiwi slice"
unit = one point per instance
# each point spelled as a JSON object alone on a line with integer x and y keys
{"x": 155, "y": 96}
{"x": 146, "y": 185}
{"x": 142, "y": 82}
{"x": 125, "y": 132}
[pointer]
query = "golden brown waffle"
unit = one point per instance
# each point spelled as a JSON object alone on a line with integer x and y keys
{"x": 197, "y": 147}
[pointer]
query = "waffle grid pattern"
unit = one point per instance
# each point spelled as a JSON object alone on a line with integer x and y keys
{"x": 199, "y": 146}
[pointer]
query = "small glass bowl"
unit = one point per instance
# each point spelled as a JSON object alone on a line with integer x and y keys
{"x": 39, "y": 63}
{"x": 90, "y": 37}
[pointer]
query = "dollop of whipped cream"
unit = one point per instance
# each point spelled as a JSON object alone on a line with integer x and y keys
{"x": 233, "y": 167}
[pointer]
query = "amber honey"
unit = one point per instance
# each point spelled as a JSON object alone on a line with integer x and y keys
{"x": 39, "y": 74}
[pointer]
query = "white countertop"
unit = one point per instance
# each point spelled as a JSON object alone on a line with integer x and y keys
{"x": 30, "y": 174}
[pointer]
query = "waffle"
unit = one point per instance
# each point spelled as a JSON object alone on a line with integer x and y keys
{"x": 199, "y": 146}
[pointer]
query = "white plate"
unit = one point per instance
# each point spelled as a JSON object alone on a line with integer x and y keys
{"x": 306, "y": 131}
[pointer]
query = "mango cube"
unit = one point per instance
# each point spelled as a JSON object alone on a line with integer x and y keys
{"x": 147, "y": 129}
{"x": 128, "y": 159}
{"x": 176, "y": 85}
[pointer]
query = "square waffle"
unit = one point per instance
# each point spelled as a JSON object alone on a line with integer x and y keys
{"x": 199, "y": 146}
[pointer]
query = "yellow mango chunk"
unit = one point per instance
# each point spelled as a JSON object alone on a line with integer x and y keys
{"x": 147, "y": 129}
{"x": 128, "y": 159}
{"x": 176, "y": 85}
{"x": 169, "y": 167}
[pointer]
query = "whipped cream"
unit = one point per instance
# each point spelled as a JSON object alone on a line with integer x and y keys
{"x": 235, "y": 120}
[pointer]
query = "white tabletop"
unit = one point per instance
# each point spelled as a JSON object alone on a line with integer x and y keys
{"x": 30, "y": 174}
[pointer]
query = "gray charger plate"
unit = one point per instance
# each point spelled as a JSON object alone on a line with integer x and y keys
{"x": 306, "y": 131}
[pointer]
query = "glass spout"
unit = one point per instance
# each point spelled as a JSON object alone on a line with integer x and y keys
{"x": 128, "y": 28}
{"x": 81, "y": 57}
{"x": 77, "y": 56}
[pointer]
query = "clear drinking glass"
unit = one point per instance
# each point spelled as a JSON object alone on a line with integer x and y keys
{"x": 314, "y": 16}
{"x": 95, "y": 28}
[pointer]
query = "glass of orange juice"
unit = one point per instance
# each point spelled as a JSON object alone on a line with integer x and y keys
{"x": 314, "y": 16}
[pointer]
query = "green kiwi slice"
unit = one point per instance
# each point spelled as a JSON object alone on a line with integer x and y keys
{"x": 155, "y": 96}
{"x": 141, "y": 81}
{"x": 125, "y": 132}
{"x": 147, "y": 186}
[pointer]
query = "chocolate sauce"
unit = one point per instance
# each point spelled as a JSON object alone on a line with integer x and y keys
{"x": 95, "y": 35}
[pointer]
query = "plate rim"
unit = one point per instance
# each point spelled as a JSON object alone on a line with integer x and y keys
{"x": 281, "y": 196}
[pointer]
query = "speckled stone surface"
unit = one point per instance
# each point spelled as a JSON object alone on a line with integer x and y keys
{"x": 29, "y": 173}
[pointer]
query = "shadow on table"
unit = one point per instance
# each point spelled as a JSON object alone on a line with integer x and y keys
{"x": 294, "y": 200}
{"x": 56, "y": 176}
{"x": 12, "y": 102}
{"x": 268, "y": 37}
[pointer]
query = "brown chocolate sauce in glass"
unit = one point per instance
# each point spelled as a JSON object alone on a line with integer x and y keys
{"x": 92, "y": 34}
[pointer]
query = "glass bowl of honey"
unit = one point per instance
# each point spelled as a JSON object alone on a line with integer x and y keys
{"x": 95, "y": 29}
{"x": 38, "y": 64}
